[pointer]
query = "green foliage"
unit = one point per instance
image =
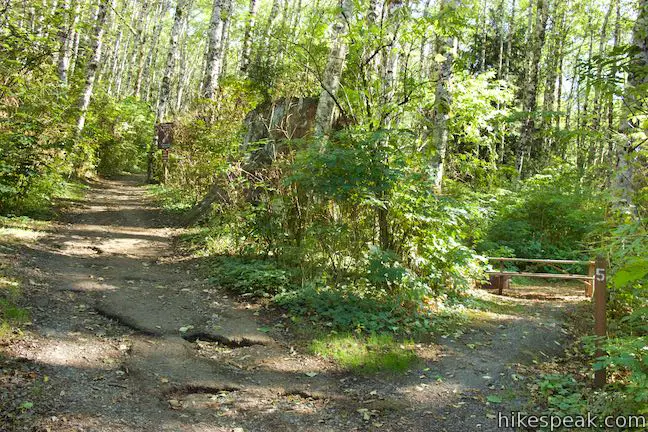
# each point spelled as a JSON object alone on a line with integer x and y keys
{"x": 207, "y": 139}
{"x": 34, "y": 138}
{"x": 552, "y": 215}
{"x": 563, "y": 394}
{"x": 250, "y": 276}
{"x": 347, "y": 308}
{"x": 119, "y": 132}
{"x": 376, "y": 352}
{"x": 11, "y": 315}
{"x": 627, "y": 364}
{"x": 628, "y": 248}
{"x": 171, "y": 199}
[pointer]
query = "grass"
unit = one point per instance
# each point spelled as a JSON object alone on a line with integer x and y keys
{"x": 173, "y": 200}
{"x": 526, "y": 281}
{"x": 206, "y": 241}
{"x": 501, "y": 306}
{"x": 10, "y": 314}
{"x": 22, "y": 223}
{"x": 378, "y": 352}
{"x": 73, "y": 191}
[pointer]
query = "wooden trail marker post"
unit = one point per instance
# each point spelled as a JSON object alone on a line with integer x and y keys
{"x": 595, "y": 280}
{"x": 600, "y": 314}
{"x": 164, "y": 141}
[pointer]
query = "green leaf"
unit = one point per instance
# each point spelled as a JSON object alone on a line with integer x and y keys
{"x": 494, "y": 399}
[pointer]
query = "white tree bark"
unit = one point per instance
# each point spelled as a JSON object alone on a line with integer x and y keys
{"x": 335, "y": 65}
{"x": 93, "y": 66}
{"x": 246, "y": 44}
{"x": 627, "y": 153}
{"x": 152, "y": 55}
{"x": 165, "y": 87}
{"x": 114, "y": 62}
{"x": 142, "y": 27}
{"x": 75, "y": 52}
{"x": 442, "y": 102}
{"x": 530, "y": 84}
{"x": 225, "y": 39}
{"x": 212, "y": 64}
{"x": 70, "y": 18}
{"x": 183, "y": 73}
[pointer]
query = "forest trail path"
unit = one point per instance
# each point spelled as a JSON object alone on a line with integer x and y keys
{"x": 130, "y": 339}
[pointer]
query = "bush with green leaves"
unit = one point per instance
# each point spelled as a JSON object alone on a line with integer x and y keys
{"x": 348, "y": 308}
{"x": 552, "y": 215}
{"x": 119, "y": 133}
{"x": 34, "y": 147}
{"x": 251, "y": 276}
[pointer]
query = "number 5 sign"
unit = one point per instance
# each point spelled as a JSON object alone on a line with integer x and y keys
{"x": 600, "y": 314}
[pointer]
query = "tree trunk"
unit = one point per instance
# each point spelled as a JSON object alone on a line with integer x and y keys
{"x": 183, "y": 73}
{"x": 225, "y": 40}
{"x": 70, "y": 18}
{"x": 114, "y": 63}
{"x": 152, "y": 55}
{"x": 584, "y": 149}
{"x": 212, "y": 63}
{"x": 624, "y": 182}
{"x": 530, "y": 84}
{"x": 509, "y": 41}
{"x": 614, "y": 71}
{"x": 425, "y": 44}
{"x": 442, "y": 101}
{"x": 598, "y": 111}
{"x": 93, "y": 66}
{"x": 75, "y": 52}
{"x": 330, "y": 82}
{"x": 246, "y": 44}
{"x": 165, "y": 87}
{"x": 141, "y": 43}
{"x": 549, "y": 99}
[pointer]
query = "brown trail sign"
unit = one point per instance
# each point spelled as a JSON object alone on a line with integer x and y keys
{"x": 164, "y": 141}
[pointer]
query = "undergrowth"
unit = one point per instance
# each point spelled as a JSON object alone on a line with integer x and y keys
{"x": 11, "y": 315}
{"x": 376, "y": 352}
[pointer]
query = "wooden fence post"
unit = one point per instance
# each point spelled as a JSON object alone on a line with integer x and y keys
{"x": 500, "y": 279}
{"x": 600, "y": 315}
{"x": 589, "y": 285}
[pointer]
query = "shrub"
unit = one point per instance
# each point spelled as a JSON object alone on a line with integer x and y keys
{"x": 251, "y": 276}
{"x": 551, "y": 216}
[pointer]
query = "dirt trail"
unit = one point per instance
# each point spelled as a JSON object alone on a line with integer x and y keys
{"x": 130, "y": 339}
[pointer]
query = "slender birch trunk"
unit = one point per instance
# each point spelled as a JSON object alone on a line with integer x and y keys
{"x": 247, "y": 36}
{"x": 624, "y": 182}
{"x": 445, "y": 47}
{"x": 70, "y": 18}
{"x": 142, "y": 24}
{"x": 152, "y": 55}
{"x": 331, "y": 80}
{"x": 598, "y": 109}
{"x": 75, "y": 52}
{"x": 509, "y": 41}
{"x": 530, "y": 85}
{"x": 212, "y": 64}
{"x": 225, "y": 39}
{"x": 165, "y": 87}
{"x": 114, "y": 62}
{"x": 93, "y": 66}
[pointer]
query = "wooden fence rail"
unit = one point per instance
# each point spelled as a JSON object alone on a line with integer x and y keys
{"x": 500, "y": 279}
